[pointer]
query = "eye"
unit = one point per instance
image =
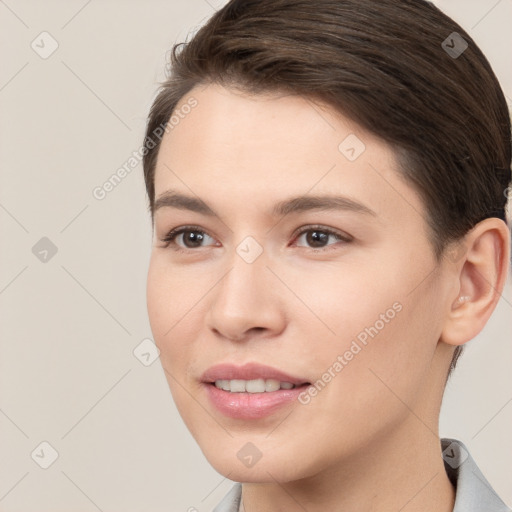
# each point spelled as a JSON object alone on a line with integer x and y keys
{"x": 187, "y": 237}
{"x": 317, "y": 237}
{"x": 193, "y": 237}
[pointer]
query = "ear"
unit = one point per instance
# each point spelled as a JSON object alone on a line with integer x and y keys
{"x": 481, "y": 267}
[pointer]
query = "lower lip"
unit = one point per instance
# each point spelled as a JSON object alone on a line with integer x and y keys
{"x": 251, "y": 405}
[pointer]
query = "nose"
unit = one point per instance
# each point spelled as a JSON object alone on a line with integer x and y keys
{"x": 245, "y": 303}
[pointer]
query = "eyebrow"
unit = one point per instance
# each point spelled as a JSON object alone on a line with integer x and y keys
{"x": 173, "y": 199}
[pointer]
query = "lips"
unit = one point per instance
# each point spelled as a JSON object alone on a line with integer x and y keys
{"x": 249, "y": 371}
{"x": 250, "y": 404}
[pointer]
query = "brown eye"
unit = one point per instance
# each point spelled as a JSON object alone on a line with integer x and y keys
{"x": 319, "y": 237}
{"x": 192, "y": 239}
{"x": 187, "y": 238}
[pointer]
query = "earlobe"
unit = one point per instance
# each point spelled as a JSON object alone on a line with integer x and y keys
{"x": 481, "y": 274}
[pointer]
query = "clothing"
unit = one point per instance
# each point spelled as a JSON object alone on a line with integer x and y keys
{"x": 473, "y": 493}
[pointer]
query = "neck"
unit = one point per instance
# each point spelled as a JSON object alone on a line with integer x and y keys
{"x": 403, "y": 472}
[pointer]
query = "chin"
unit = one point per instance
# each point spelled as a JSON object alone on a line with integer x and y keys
{"x": 267, "y": 469}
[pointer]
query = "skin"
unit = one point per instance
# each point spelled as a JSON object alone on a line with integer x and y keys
{"x": 369, "y": 440}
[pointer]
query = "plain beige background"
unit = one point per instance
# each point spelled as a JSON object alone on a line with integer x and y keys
{"x": 70, "y": 323}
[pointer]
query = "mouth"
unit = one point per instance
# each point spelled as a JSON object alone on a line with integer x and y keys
{"x": 250, "y": 378}
{"x": 251, "y": 391}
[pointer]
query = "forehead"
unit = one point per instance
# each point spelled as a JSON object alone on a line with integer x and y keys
{"x": 253, "y": 150}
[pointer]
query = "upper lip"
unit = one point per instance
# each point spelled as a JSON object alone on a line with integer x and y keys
{"x": 249, "y": 371}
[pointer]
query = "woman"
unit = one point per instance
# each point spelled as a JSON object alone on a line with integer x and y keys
{"x": 327, "y": 182}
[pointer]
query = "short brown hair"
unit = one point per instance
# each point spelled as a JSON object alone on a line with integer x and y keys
{"x": 398, "y": 68}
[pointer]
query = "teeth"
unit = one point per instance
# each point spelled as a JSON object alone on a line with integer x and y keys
{"x": 237, "y": 386}
{"x": 252, "y": 386}
{"x": 272, "y": 385}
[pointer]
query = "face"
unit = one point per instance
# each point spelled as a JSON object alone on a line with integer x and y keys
{"x": 300, "y": 257}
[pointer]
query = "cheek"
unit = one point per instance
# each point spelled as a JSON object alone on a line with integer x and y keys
{"x": 373, "y": 326}
{"x": 166, "y": 313}
{"x": 157, "y": 296}
{"x": 363, "y": 381}
{"x": 168, "y": 301}
{"x": 169, "y": 296}
{"x": 345, "y": 298}
{"x": 386, "y": 364}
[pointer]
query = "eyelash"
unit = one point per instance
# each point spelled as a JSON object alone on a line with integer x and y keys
{"x": 171, "y": 236}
